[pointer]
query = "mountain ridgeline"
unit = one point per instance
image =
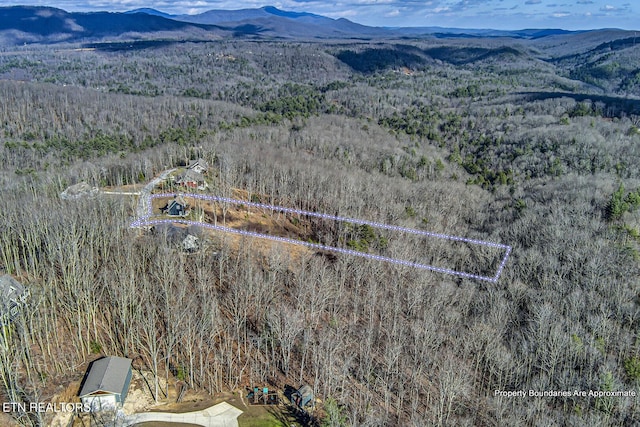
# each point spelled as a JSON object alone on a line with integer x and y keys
{"x": 33, "y": 24}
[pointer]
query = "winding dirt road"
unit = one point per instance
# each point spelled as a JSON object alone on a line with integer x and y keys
{"x": 144, "y": 199}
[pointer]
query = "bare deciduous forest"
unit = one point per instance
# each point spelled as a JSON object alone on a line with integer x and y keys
{"x": 499, "y": 142}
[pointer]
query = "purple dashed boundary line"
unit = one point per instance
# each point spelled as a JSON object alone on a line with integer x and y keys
{"x": 146, "y": 221}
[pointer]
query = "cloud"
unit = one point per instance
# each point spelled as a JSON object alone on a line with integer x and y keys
{"x": 584, "y": 2}
{"x": 368, "y": 2}
{"x": 464, "y": 5}
{"x": 561, "y": 14}
{"x": 392, "y": 14}
{"x": 533, "y": 2}
{"x": 349, "y": 14}
{"x": 608, "y": 8}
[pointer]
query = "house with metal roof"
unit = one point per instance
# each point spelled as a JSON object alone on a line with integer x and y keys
{"x": 106, "y": 383}
{"x": 13, "y": 295}
{"x": 199, "y": 166}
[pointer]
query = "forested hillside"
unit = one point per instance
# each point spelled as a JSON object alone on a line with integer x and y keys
{"x": 498, "y": 140}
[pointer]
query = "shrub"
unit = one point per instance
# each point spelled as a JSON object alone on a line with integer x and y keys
{"x": 632, "y": 368}
{"x": 335, "y": 414}
{"x": 617, "y": 205}
{"x": 95, "y": 347}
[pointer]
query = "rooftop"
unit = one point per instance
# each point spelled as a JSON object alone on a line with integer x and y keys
{"x": 107, "y": 375}
{"x": 190, "y": 175}
{"x": 11, "y": 289}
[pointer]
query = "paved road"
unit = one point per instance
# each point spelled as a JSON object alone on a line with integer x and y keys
{"x": 220, "y": 415}
{"x": 122, "y": 193}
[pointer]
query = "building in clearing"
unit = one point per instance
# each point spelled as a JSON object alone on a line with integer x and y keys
{"x": 106, "y": 383}
{"x": 176, "y": 207}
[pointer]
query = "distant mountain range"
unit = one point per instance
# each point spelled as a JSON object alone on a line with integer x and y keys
{"x": 26, "y": 24}
{"x": 272, "y": 22}
{"x": 31, "y": 24}
{"x": 523, "y": 34}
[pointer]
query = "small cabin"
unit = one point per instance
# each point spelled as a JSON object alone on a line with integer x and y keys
{"x": 176, "y": 207}
{"x": 303, "y": 397}
{"x": 106, "y": 383}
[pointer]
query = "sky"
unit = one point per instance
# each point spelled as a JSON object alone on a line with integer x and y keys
{"x": 496, "y": 14}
